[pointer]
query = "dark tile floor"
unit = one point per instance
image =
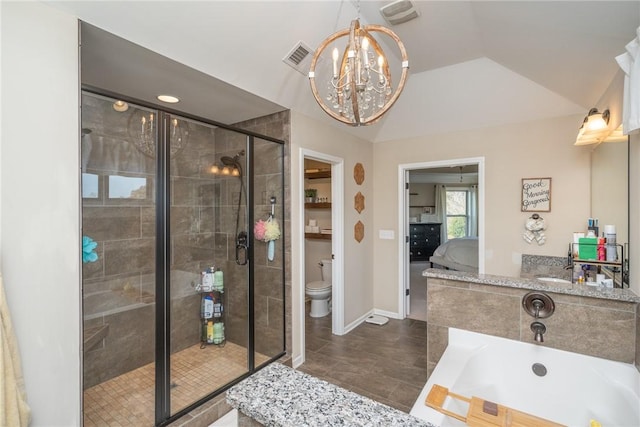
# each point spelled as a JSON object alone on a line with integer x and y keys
{"x": 386, "y": 363}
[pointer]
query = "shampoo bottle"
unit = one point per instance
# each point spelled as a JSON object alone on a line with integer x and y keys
{"x": 218, "y": 281}
{"x": 207, "y": 306}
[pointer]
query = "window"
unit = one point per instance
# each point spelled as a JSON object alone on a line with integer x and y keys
{"x": 90, "y": 186}
{"x": 127, "y": 187}
{"x": 457, "y": 211}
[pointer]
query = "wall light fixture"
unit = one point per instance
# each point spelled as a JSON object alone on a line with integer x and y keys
{"x": 594, "y": 129}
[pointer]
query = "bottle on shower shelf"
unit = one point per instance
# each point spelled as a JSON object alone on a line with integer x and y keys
{"x": 207, "y": 306}
{"x": 218, "y": 281}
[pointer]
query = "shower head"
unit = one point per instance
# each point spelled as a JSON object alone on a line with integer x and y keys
{"x": 85, "y": 131}
{"x": 233, "y": 161}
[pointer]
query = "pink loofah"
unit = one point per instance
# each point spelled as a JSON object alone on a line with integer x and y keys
{"x": 259, "y": 230}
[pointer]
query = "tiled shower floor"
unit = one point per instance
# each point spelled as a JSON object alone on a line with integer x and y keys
{"x": 128, "y": 400}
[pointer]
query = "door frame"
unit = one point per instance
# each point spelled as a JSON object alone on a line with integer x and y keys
{"x": 337, "y": 243}
{"x": 403, "y": 219}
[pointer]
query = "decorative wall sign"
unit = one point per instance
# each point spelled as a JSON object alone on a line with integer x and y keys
{"x": 359, "y": 202}
{"x": 358, "y": 231}
{"x": 358, "y": 173}
{"x": 536, "y": 195}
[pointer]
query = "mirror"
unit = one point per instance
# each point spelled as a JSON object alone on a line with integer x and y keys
{"x": 610, "y": 190}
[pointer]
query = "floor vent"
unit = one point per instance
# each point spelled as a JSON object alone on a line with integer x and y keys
{"x": 377, "y": 320}
{"x": 299, "y": 58}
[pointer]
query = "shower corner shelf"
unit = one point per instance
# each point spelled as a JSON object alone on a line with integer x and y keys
{"x": 217, "y": 318}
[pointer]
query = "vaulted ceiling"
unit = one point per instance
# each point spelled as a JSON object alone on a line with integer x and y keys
{"x": 472, "y": 63}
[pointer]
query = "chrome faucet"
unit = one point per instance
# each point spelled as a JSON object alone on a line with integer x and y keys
{"x": 538, "y": 329}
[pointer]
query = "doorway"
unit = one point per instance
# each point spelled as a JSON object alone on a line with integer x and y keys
{"x": 442, "y": 206}
{"x": 321, "y": 234}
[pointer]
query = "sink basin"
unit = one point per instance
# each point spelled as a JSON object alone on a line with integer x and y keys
{"x": 553, "y": 280}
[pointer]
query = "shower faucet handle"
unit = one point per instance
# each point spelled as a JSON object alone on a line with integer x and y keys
{"x": 242, "y": 249}
{"x": 538, "y": 304}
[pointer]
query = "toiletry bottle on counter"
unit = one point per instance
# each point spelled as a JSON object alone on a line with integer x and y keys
{"x": 601, "y": 249}
{"x": 610, "y": 236}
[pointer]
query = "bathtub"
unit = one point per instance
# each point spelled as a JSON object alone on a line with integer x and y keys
{"x": 575, "y": 390}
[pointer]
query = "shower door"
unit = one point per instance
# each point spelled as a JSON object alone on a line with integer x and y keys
{"x": 207, "y": 259}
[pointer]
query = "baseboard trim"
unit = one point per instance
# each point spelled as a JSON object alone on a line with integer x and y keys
{"x": 389, "y": 314}
{"x": 297, "y": 361}
{"x": 351, "y": 326}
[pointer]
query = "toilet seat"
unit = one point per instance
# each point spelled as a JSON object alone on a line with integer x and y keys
{"x": 317, "y": 286}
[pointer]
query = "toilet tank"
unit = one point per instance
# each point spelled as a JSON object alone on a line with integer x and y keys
{"x": 326, "y": 270}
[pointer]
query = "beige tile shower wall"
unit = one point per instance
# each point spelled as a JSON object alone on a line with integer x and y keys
{"x": 595, "y": 327}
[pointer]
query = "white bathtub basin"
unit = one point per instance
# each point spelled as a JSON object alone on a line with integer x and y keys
{"x": 575, "y": 390}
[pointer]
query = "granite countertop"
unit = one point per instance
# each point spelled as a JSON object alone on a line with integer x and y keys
{"x": 616, "y": 294}
{"x": 281, "y": 396}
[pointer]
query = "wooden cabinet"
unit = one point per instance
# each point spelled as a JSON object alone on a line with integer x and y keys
{"x": 423, "y": 240}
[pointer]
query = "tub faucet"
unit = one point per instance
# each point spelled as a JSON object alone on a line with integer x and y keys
{"x": 538, "y": 329}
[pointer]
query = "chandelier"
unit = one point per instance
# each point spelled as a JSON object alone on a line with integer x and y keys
{"x": 143, "y": 128}
{"x": 359, "y": 87}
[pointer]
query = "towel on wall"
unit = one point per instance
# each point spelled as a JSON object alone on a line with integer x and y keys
{"x": 630, "y": 64}
{"x": 14, "y": 410}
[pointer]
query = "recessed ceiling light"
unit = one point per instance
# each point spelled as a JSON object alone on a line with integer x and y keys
{"x": 168, "y": 98}
{"x": 120, "y": 106}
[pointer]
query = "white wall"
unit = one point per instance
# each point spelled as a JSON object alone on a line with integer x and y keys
{"x": 512, "y": 152}
{"x": 358, "y": 284}
{"x": 40, "y": 204}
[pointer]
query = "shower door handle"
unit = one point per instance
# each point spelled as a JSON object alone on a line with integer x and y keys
{"x": 242, "y": 249}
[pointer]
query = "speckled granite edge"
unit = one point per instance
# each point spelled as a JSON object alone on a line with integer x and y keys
{"x": 535, "y": 285}
{"x": 279, "y": 396}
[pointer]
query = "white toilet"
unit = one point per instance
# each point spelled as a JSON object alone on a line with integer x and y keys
{"x": 320, "y": 291}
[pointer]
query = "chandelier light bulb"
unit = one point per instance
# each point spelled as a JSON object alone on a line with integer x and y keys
{"x": 365, "y": 52}
{"x": 226, "y": 170}
{"x": 335, "y": 62}
{"x": 214, "y": 169}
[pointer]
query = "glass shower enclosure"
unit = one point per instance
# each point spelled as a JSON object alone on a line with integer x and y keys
{"x": 183, "y": 290}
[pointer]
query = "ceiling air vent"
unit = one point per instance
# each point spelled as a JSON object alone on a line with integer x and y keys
{"x": 399, "y": 12}
{"x": 299, "y": 58}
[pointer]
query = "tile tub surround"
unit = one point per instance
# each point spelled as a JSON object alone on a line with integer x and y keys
{"x": 589, "y": 321}
{"x": 280, "y": 396}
